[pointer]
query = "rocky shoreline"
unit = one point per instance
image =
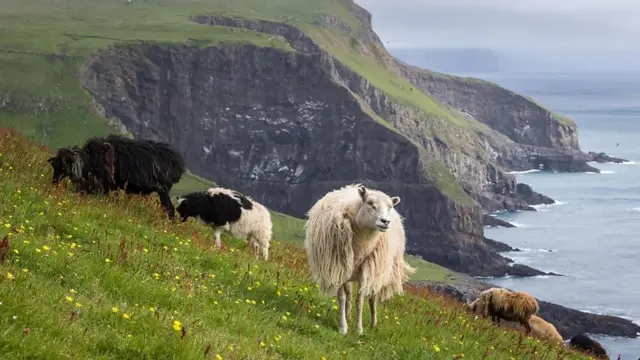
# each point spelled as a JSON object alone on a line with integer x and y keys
{"x": 569, "y": 322}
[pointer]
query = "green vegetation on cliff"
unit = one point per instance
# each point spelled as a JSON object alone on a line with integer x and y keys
{"x": 102, "y": 277}
{"x": 44, "y": 47}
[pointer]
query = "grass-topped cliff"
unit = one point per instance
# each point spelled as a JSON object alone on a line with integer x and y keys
{"x": 45, "y": 45}
{"x": 95, "y": 277}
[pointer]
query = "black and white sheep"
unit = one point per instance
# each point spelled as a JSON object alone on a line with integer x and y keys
{"x": 232, "y": 212}
{"x": 114, "y": 162}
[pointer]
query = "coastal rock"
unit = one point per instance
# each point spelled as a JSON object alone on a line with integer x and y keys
{"x": 561, "y": 163}
{"x": 519, "y": 270}
{"x": 492, "y": 221}
{"x": 569, "y": 322}
{"x": 531, "y": 197}
{"x": 498, "y": 246}
{"x": 604, "y": 158}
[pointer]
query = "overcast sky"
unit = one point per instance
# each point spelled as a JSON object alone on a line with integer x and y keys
{"x": 563, "y": 29}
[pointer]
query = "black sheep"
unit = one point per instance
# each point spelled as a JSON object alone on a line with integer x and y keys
{"x": 586, "y": 344}
{"x": 114, "y": 162}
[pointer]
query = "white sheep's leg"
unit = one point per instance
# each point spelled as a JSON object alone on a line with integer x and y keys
{"x": 342, "y": 298}
{"x": 359, "y": 306}
{"x": 217, "y": 233}
{"x": 256, "y": 249}
{"x": 373, "y": 306}
{"x": 347, "y": 291}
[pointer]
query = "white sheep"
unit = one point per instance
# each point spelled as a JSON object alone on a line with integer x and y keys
{"x": 355, "y": 234}
{"x": 230, "y": 211}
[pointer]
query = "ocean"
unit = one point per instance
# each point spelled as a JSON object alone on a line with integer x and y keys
{"x": 592, "y": 236}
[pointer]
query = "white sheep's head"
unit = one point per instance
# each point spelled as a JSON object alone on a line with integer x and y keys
{"x": 375, "y": 212}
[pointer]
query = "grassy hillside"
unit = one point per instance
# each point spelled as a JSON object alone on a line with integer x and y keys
{"x": 103, "y": 278}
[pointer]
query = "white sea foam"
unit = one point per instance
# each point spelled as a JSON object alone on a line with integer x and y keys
{"x": 545, "y": 207}
{"x": 621, "y": 313}
{"x": 636, "y": 209}
{"x": 518, "y": 225}
{"x": 606, "y": 172}
{"x": 524, "y": 171}
{"x": 630, "y": 163}
{"x": 537, "y": 250}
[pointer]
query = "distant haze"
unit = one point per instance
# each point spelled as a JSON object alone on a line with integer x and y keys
{"x": 550, "y": 35}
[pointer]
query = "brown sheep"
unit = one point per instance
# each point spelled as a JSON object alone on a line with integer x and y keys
{"x": 504, "y": 304}
{"x": 545, "y": 330}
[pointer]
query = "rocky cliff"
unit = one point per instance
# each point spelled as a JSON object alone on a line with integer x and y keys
{"x": 287, "y": 126}
{"x": 279, "y": 127}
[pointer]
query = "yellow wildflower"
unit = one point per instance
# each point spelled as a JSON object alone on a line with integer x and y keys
{"x": 177, "y": 325}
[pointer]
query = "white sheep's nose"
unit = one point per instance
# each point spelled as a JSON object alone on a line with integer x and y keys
{"x": 385, "y": 221}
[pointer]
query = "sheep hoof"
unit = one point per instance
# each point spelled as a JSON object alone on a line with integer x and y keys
{"x": 343, "y": 331}
{"x": 359, "y": 331}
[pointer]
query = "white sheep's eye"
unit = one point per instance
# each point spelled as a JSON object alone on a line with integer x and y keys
{"x": 370, "y": 203}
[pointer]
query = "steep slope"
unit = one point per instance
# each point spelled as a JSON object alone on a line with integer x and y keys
{"x": 280, "y": 100}
{"x": 95, "y": 277}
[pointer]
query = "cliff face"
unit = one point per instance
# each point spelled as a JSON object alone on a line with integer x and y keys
{"x": 286, "y": 127}
{"x": 520, "y": 119}
{"x": 538, "y": 138}
{"x": 278, "y": 127}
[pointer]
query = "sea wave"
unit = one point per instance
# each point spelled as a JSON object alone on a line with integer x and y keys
{"x": 601, "y": 172}
{"x": 518, "y": 225}
{"x": 545, "y": 207}
{"x": 537, "y": 250}
{"x": 621, "y": 313}
{"x": 630, "y": 163}
{"x": 524, "y": 171}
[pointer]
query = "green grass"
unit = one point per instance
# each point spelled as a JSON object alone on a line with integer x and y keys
{"x": 109, "y": 277}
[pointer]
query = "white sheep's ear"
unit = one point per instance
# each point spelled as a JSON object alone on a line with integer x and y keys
{"x": 363, "y": 192}
{"x": 395, "y": 200}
